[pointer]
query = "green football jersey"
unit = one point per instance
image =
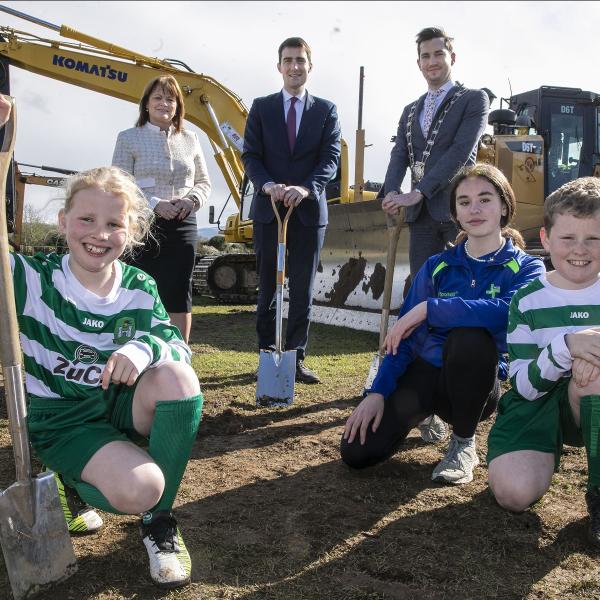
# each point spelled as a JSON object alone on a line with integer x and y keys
{"x": 68, "y": 333}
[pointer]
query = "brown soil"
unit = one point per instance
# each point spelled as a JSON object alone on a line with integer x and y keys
{"x": 268, "y": 510}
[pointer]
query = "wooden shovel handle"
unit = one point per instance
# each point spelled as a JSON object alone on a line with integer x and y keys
{"x": 281, "y": 226}
{"x": 394, "y": 225}
{"x": 10, "y": 353}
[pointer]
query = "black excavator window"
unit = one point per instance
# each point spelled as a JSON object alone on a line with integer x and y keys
{"x": 566, "y": 144}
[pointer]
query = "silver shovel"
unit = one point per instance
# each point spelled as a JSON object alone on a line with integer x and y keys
{"x": 394, "y": 225}
{"x": 35, "y": 540}
{"x": 277, "y": 369}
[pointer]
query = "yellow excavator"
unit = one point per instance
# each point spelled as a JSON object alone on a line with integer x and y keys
{"x": 541, "y": 139}
{"x": 54, "y": 178}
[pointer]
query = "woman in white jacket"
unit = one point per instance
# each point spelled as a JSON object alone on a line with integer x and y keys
{"x": 168, "y": 165}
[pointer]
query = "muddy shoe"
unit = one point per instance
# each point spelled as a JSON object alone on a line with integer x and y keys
{"x": 433, "y": 429}
{"x": 170, "y": 562}
{"x": 592, "y": 499}
{"x": 457, "y": 465}
{"x": 81, "y": 518}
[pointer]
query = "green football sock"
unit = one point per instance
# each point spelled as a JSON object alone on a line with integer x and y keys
{"x": 590, "y": 427}
{"x": 94, "y": 497}
{"x": 172, "y": 436}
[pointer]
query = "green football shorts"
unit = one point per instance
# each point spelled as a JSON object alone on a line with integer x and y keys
{"x": 66, "y": 433}
{"x": 544, "y": 424}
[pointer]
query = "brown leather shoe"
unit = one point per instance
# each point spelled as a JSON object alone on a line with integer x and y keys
{"x": 304, "y": 374}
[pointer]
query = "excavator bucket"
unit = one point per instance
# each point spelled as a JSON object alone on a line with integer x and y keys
{"x": 349, "y": 284}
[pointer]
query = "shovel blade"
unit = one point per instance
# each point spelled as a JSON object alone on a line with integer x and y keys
{"x": 34, "y": 536}
{"x": 276, "y": 378}
{"x": 375, "y": 364}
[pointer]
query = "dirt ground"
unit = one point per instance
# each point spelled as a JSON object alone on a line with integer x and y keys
{"x": 268, "y": 510}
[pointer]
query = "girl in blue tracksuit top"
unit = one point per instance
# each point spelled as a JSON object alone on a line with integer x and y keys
{"x": 445, "y": 352}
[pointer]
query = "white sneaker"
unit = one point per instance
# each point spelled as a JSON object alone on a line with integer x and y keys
{"x": 433, "y": 429}
{"x": 170, "y": 562}
{"x": 457, "y": 465}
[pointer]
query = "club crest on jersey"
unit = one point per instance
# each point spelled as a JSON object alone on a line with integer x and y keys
{"x": 124, "y": 330}
{"x": 86, "y": 355}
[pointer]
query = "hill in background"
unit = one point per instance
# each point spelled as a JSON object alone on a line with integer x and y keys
{"x": 205, "y": 233}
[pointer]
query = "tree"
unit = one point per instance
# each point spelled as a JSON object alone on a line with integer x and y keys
{"x": 35, "y": 232}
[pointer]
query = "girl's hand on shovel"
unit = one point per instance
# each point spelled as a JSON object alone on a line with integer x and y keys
{"x": 404, "y": 326}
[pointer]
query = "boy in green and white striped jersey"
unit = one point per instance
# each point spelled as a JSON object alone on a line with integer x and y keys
{"x": 554, "y": 346}
{"x": 105, "y": 367}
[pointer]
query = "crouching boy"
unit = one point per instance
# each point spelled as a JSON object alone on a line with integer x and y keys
{"x": 554, "y": 348}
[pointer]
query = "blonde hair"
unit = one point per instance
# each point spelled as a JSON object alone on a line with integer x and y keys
{"x": 117, "y": 182}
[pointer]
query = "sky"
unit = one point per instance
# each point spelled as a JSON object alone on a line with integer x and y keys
{"x": 499, "y": 45}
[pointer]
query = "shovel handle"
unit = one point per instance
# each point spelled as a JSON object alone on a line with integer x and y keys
{"x": 280, "y": 274}
{"x": 10, "y": 351}
{"x": 281, "y": 239}
{"x": 9, "y": 333}
{"x": 281, "y": 225}
{"x": 394, "y": 226}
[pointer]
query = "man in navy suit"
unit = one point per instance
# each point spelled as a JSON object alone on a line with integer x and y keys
{"x": 291, "y": 150}
{"x": 437, "y": 135}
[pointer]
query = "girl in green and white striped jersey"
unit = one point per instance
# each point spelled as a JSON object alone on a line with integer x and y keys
{"x": 105, "y": 368}
{"x": 554, "y": 346}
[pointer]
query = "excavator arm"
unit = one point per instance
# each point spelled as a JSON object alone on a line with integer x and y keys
{"x": 115, "y": 71}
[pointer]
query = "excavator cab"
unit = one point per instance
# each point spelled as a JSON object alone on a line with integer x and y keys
{"x": 568, "y": 120}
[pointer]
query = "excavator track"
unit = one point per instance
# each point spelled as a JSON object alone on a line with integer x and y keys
{"x": 228, "y": 278}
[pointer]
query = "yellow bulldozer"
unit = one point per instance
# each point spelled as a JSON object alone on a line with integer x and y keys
{"x": 540, "y": 139}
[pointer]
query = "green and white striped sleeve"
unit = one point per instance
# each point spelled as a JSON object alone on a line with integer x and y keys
{"x": 538, "y": 353}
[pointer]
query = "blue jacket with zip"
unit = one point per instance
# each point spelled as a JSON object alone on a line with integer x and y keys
{"x": 460, "y": 292}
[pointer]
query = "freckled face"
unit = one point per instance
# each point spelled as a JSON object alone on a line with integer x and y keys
{"x": 96, "y": 228}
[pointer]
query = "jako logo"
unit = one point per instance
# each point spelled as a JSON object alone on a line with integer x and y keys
{"x": 580, "y": 315}
{"x": 93, "y": 323}
{"x": 84, "y": 67}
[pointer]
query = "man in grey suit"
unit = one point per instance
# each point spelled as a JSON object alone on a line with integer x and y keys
{"x": 437, "y": 135}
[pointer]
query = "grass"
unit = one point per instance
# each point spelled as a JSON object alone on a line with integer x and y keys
{"x": 268, "y": 510}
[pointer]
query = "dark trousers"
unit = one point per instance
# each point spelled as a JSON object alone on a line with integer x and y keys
{"x": 304, "y": 245}
{"x": 463, "y": 392}
{"x": 428, "y": 237}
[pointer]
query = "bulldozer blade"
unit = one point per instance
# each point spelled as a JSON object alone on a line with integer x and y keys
{"x": 276, "y": 378}
{"x": 349, "y": 284}
{"x": 34, "y": 536}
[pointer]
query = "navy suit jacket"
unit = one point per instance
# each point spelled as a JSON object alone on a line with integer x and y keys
{"x": 455, "y": 146}
{"x": 267, "y": 157}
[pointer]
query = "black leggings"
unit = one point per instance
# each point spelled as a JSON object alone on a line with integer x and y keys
{"x": 463, "y": 392}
